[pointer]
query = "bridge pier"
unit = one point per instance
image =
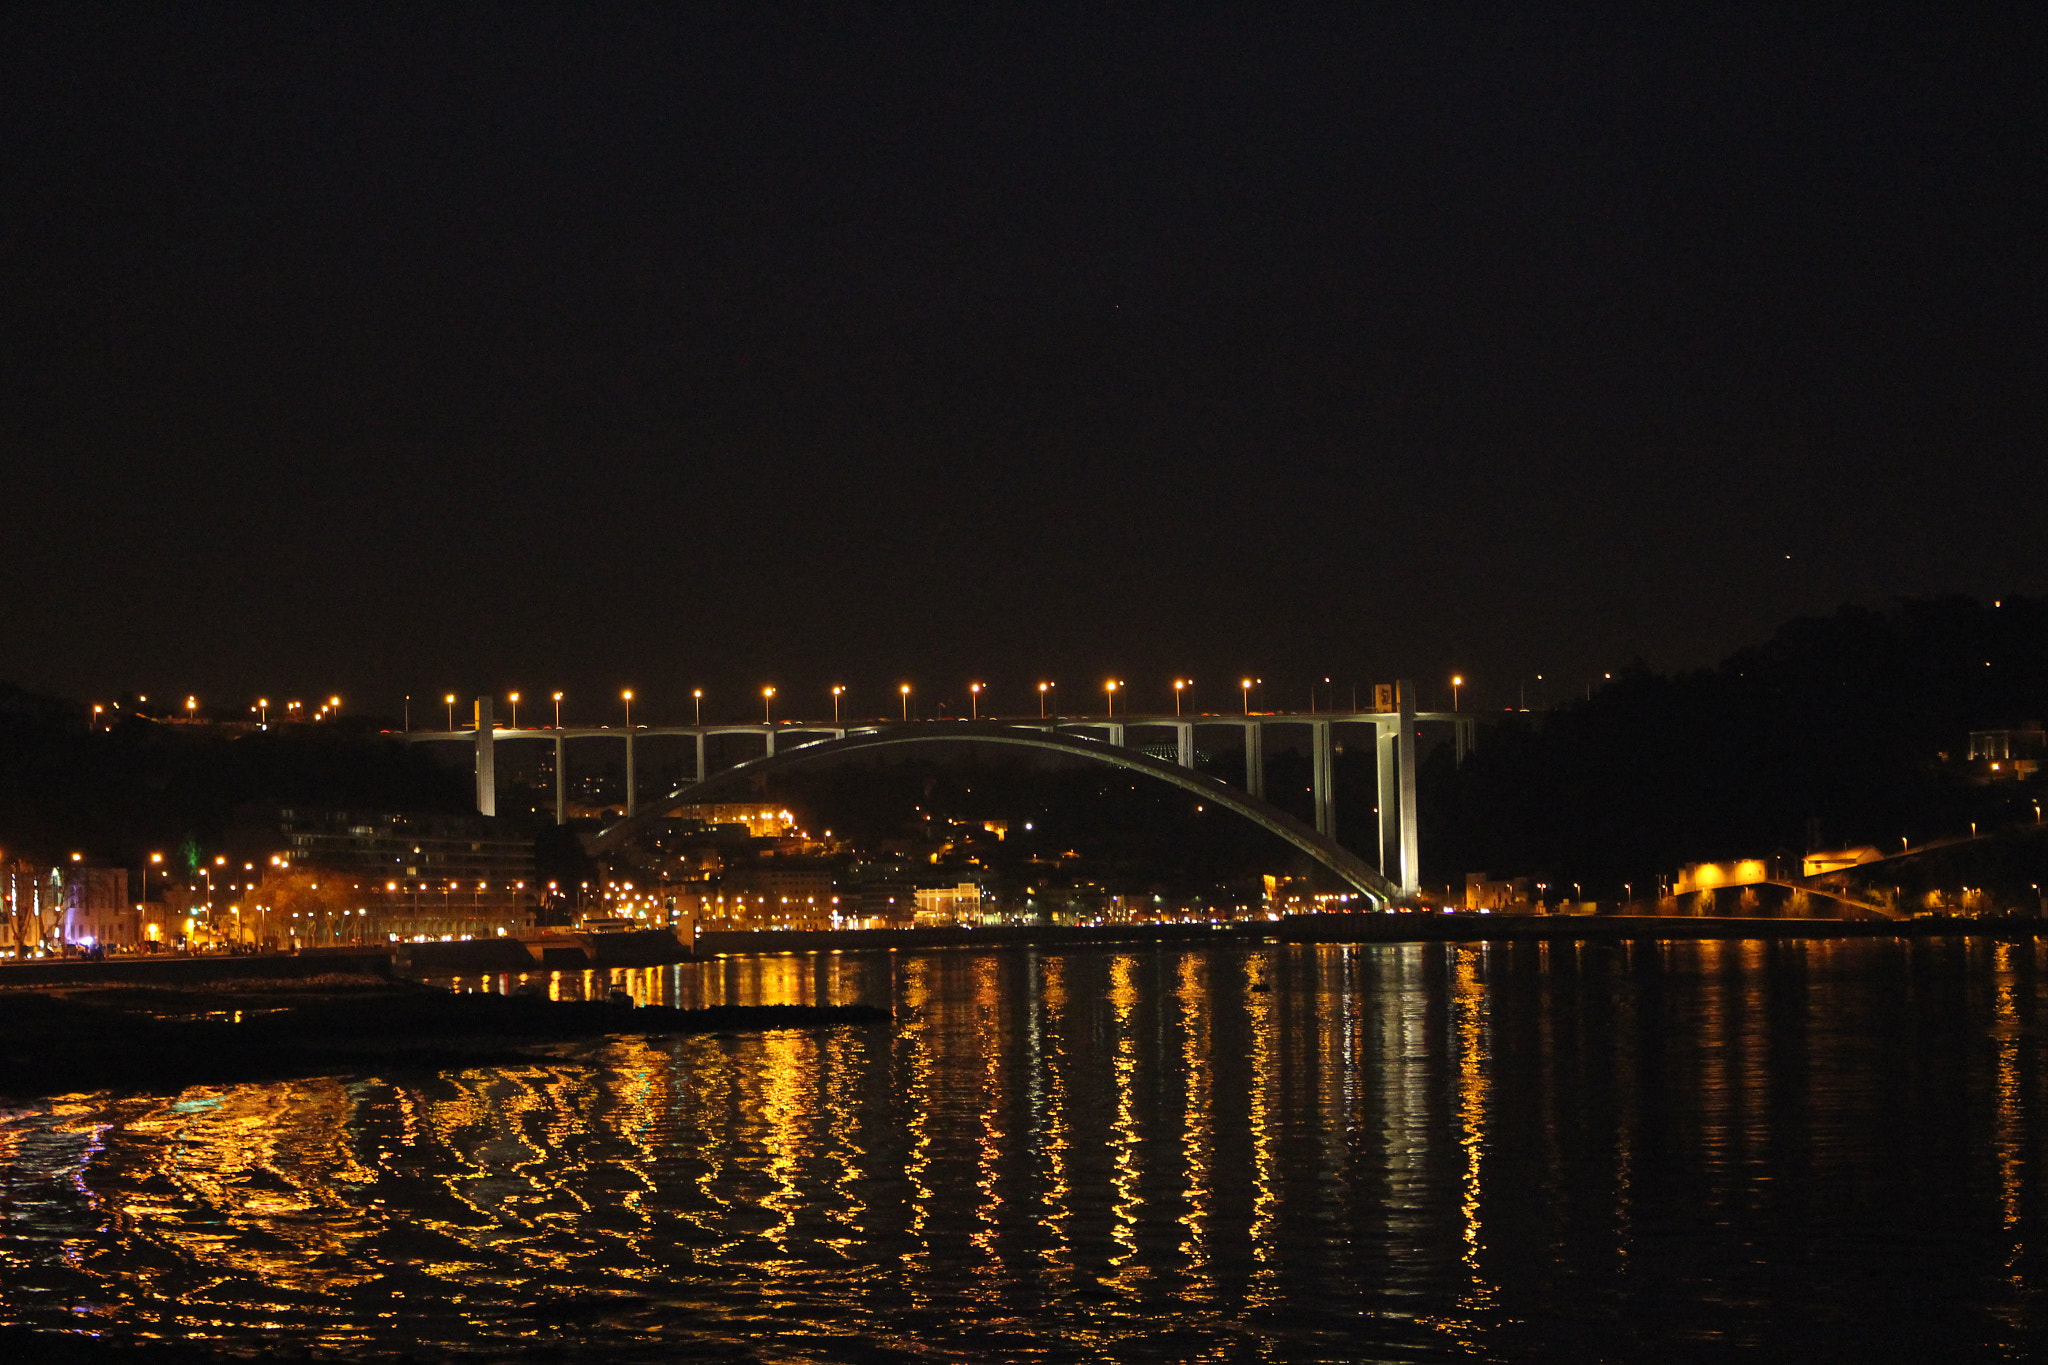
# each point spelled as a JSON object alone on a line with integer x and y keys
{"x": 1409, "y": 864}
{"x": 1323, "y": 778}
{"x": 486, "y": 759}
{"x": 631, "y": 787}
{"x": 1184, "y": 744}
{"x": 1255, "y": 759}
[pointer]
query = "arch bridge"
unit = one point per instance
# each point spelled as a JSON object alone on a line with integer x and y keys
{"x": 1104, "y": 739}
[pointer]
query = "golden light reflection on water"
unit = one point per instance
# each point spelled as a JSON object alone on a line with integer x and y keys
{"x": 1198, "y": 1135}
{"x": 1274, "y": 1152}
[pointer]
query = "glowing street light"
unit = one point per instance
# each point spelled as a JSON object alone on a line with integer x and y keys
{"x": 262, "y": 712}
{"x": 97, "y": 711}
{"x": 1180, "y": 685}
{"x": 1456, "y": 683}
{"x": 1246, "y": 686}
{"x": 191, "y": 708}
{"x": 450, "y": 700}
{"x": 558, "y": 710}
{"x": 697, "y": 699}
{"x": 905, "y": 690}
{"x": 1109, "y": 689}
{"x": 767, "y": 706}
{"x": 513, "y": 697}
{"x": 627, "y": 697}
{"x": 837, "y": 693}
{"x": 974, "y": 701}
{"x": 1043, "y": 689}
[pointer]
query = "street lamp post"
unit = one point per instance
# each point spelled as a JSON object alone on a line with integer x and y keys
{"x": 1179, "y": 686}
{"x": 1044, "y": 688}
{"x": 514, "y": 699}
{"x": 1246, "y": 686}
{"x": 1109, "y": 688}
{"x": 627, "y": 697}
{"x": 1456, "y": 683}
{"x": 837, "y": 693}
{"x": 450, "y": 700}
{"x": 974, "y": 701}
{"x": 767, "y": 706}
{"x": 558, "y": 710}
{"x": 905, "y": 690}
{"x": 263, "y": 712}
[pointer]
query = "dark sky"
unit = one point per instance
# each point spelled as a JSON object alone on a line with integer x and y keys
{"x": 401, "y": 349}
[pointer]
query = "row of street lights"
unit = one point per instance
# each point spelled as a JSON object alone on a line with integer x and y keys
{"x": 1111, "y": 687}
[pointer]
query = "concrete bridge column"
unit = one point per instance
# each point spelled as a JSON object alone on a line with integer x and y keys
{"x": 768, "y": 738}
{"x": 1115, "y": 734}
{"x": 1322, "y": 763}
{"x": 700, "y": 756}
{"x": 1410, "y": 863}
{"x": 1184, "y": 744}
{"x": 1255, "y": 759}
{"x": 486, "y": 759}
{"x": 1386, "y": 737}
{"x": 561, "y": 781}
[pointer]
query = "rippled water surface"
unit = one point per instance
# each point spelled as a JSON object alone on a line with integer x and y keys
{"x": 1677, "y": 1151}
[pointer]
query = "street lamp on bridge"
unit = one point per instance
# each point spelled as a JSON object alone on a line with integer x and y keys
{"x": 450, "y": 700}
{"x": 905, "y": 690}
{"x": 974, "y": 701}
{"x": 1247, "y": 686}
{"x": 767, "y": 706}
{"x": 1180, "y": 685}
{"x": 627, "y": 697}
{"x": 558, "y": 710}
{"x": 1043, "y": 689}
{"x": 697, "y": 699}
{"x": 1110, "y": 689}
{"x": 513, "y": 697}
{"x": 1456, "y": 683}
{"x": 837, "y": 693}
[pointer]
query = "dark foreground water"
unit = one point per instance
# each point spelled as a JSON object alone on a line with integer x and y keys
{"x": 1658, "y": 1152}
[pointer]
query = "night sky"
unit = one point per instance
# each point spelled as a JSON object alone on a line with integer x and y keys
{"x": 407, "y": 349}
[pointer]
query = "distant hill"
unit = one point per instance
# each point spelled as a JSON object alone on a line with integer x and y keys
{"x": 116, "y": 792}
{"x": 1832, "y": 732}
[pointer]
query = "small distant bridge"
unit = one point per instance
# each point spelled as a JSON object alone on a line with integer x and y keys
{"x": 1105, "y": 739}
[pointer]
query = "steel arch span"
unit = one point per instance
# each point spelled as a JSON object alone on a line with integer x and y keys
{"x": 1360, "y": 875}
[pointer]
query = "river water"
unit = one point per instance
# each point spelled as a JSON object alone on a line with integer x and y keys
{"x": 1679, "y": 1151}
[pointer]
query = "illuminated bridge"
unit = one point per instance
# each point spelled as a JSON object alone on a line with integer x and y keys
{"x": 1114, "y": 741}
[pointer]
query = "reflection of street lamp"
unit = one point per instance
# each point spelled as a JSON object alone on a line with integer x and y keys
{"x": 627, "y": 696}
{"x": 1043, "y": 689}
{"x": 450, "y": 700}
{"x": 905, "y": 690}
{"x": 767, "y": 706}
{"x": 514, "y": 699}
{"x": 1456, "y": 683}
{"x": 974, "y": 701}
{"x": 837, "y": 693}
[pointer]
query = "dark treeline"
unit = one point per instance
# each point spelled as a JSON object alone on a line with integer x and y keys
{"x": 1839, "y": 730}
{"x": 119, "y": 792}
